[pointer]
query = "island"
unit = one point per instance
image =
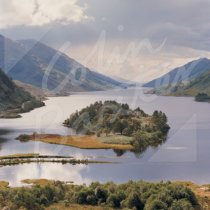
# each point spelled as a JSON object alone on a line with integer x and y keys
{"x": 116, "y": 123}
{"x": 110, "y": 125}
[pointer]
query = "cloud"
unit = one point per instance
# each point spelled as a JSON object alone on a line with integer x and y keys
{"x": 40, "y": 12}
{"x": 184, "y": 24}
{"x": 123, "y": 60}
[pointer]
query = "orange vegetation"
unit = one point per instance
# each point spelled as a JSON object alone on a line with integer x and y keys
{"x": 41, "y": 182}
{"x": 4, "y": 184}
{"x": 76, "y": 207}
{"x": 202, "y": 192}
{"x": 83, "y": 142}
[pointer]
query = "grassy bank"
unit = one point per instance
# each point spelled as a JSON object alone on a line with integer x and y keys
{"x": 82, "y": 142}
{"x": 36, "y": 158}
{"x": 61, "y": 206}
{"x": 4, "y": 185}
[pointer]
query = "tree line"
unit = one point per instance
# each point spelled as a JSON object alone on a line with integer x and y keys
{"x": 138, "y": 195}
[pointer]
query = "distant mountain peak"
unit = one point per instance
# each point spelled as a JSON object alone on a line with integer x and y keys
{"x": 203, "y": 58}
{"x": 183, "y": 73}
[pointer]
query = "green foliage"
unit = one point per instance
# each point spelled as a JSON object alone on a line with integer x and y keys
{"x": 182, "y": 204}
{"x": 155, "y": 205}
{"x": 14, "y": 99}
{"x": 34, "y": 198}
{"x": 160, "y": 120}
{"x": 106, "y": 117}
{"x": 132, "y": 195}
{"x": 115, "y": 119}
{"x": 202, "y": 97}
{"x": 101, "y": 194}
{"x": 24, "y": 137}
{"x": 192, "y": 87}
{"x": 133, "y": 201}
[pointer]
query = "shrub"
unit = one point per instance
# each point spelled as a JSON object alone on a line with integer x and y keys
{"x": 155, "y": 205}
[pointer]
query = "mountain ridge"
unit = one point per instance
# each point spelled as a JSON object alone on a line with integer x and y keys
{"x": 13, "y": 99}
{"x": 200, "y": 84}
{"x": 40, "y": 65}
{"x": 183, "y": 73}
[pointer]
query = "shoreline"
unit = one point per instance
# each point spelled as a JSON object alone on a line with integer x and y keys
{"x": 81, "y": 142}
{"x": 17, "y": 159}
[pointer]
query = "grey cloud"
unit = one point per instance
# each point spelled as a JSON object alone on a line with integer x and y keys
{"x": 182, "y": 22}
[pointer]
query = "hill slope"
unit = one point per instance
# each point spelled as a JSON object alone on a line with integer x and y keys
{"x": 14, "y": 100}
{"x": 181, "y": 74}
{"x": 38, "y": 93}
{"x": 35, "y": 63}
{"x": 200, "y": 84}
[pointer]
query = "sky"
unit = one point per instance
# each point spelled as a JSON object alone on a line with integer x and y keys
{"x": 133, "y": 39}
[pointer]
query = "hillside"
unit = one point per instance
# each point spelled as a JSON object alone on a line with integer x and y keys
{"x": 38, "y": 93}
{"x": 183, "y": 74}
{"x": 201, "y": 84}
{"x": 14, "y": 100}
{"x": 35, "y": 63}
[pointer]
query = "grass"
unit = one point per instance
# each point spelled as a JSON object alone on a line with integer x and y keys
{"x": 40, "y": 182}
{"x": 82, "y": 142}
{"x": 202, "y": 192}
{"x": 32, "y": 155}
{"x": 13, "y": 156}
{"x": 116, "y": 139}
{"x": 4, "y": 185}
{"x": 36, "y": 158}
{"x": 61, "y": 206}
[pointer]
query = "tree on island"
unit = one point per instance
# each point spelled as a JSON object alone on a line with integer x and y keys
{"x": 114, "y": 119}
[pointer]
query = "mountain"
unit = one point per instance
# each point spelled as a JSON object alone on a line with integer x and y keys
{"x": 38, "y": 93}
{"x": 37, "y": 64}
{"x": 14, "y": 100}
{"x": 183, "y": 74}
{"x": 200, "y": 84}
{"x": 129, "y": 83}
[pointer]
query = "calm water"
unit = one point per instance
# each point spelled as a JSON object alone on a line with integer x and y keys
{"x": 184, "y": 156}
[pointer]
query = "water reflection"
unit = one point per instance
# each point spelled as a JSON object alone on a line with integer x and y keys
{"x": 190, "y": 131}
{"x": 53, "y": 171}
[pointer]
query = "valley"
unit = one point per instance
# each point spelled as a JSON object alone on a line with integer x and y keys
{"x": 104, "y": 105}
